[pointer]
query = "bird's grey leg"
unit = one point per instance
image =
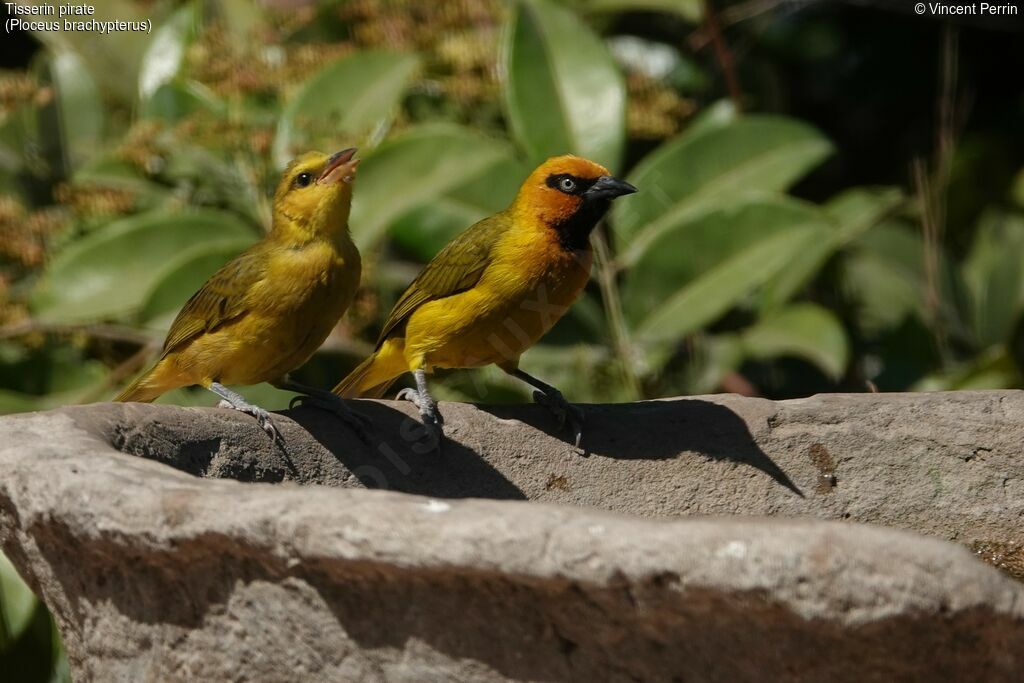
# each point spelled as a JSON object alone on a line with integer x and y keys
{"x": 429, "y": 413}
{"x": 230, "y": 399}
{"x": 550, "y": 397}
{"x": 325, "y": 400}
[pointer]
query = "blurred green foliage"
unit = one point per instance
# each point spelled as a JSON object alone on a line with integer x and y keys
{"x": 761, "y": 255}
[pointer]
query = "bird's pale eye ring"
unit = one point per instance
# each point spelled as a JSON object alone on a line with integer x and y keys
{"x": 566, "y": 184}
{"x": 303, "y": 179}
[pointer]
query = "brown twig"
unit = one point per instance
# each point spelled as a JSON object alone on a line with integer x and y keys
{"x": 723, "y": 54}
{"x": 729, "y": 16}
{"x": 933, "y": 189}
{"x": 106, "y": 332}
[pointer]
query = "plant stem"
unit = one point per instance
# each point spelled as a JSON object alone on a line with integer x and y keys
{"x": 723, "y": 54}
{"x": 613, "y": 312}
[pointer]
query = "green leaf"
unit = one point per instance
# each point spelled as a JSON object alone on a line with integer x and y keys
{"x": 107, "y": 273}
{"x": 884, "y": 275}
{"x": 112, "y": 58}
{"x": 994, "y": 275}
{"x": 993, "y": 369}
{"x": 713, "y": 167}
{"x": 79, "y": 109}
{"x": 803, "y": 330}
{"x": 415, "y": 169}
{"x": 852, "y": 212}
{"x": 718, "y": 114}
{"x": 425, "y": 229}
{"x": 114, "y": 173}
{"x": 690, "y": 10}
{"x": 563, "y": 92}
{"x": 712, "y": 294}
{"x": 166, "y": 52}
{"x": 17, "y": 604}
{"x": 701, "y": 242}
{"x": 342, "y": 103}
{"x": 183, "y": 276}
{"x": 178, "y": 99}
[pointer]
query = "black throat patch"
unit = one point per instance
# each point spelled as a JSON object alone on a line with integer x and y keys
{"x": 574, "y": 232}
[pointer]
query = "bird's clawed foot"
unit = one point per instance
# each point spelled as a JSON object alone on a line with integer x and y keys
{"x": 429, "y": 414}
{"x": 359, "y": 423}
{"x": 563, "y": 411}
{"x": 262, "y": 417}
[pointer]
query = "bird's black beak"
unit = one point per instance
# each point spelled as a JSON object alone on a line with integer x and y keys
{"x": 608, "y": 187}
{"x": 340, "y": 166}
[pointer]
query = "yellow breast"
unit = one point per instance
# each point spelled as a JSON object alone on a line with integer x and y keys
{"x": 529, "y": 285}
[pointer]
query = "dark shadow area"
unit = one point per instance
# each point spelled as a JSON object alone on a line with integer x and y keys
{"x": 398, "y": 459}
{"x": 656, "y": 430}
{"x": 483, "y": 457}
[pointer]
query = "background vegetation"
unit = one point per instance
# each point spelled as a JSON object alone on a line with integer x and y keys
{"x": 832, "y": 195}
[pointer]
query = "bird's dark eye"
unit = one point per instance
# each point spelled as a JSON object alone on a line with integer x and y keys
{"x": 303, "y": 179}
{"x": 567, "y": 185}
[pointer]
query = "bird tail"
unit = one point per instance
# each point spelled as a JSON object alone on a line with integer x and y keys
{"x": 146, "y": 388}
{"x": 373, "y": 377}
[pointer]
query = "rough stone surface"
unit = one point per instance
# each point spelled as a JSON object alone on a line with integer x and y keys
{"x": 949, "y": 465}
{"x": 157, "y": 575}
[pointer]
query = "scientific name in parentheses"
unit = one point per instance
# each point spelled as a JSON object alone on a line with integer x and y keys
{"x": 16, "y": 22}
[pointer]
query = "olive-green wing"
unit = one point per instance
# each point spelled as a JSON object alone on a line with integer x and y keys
{"x": 455, "y": 269}
{"x": 221, "y": 298}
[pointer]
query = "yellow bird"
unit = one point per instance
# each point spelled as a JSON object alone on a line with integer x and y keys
{"x": 494, "y": 290}
{"x": 264, "y": 313}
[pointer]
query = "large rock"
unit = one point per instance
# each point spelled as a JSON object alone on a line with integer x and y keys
{"x": 948, "y": 465}
{"x": 155, "y": 575}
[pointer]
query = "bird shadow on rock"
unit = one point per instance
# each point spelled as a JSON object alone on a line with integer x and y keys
{"x": 397, "y": 458}
{"x": 658, "y": 430}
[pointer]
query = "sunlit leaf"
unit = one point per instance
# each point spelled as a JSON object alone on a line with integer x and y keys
{"x": 690, "y": 10}
{"x": 178, "y": 99}
{"x": 994, "y": 275}
{"x": 113, "y": 57}
{"x": 805, "y": 331}
{"x": 108, "y": 272}
{"x": 166, "y": 52}
{"x": 713, "y": 167}
{"x": 17, "y": 603}
{"x": 851, "y": 213}
{"x": 418, "y": 167}
{"x": 885, "y": 275}
{"x": 701, "y": 242}
{"x": 993, "y": 369}
{"x": 563, "y": 91}
{"x": 183, "y": 276}
{"x": 341, "y": 104}
{"x": 79, "y": 109}
{"x": 718, "y": 114}
{"x": 117, "y": 174}
{"x": 716, "y": 291}
{"x": 425, "y": 229}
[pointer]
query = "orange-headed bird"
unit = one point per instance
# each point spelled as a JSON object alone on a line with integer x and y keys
{"x": 494, "y": 290}
{"x": 265, "y": 312}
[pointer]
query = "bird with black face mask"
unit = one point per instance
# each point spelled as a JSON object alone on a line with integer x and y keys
{"x": 494, "y": 290}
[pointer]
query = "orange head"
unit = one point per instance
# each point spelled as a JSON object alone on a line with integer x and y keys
{"x": 570, "y": 195}
{"x": 315, "y": 194}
